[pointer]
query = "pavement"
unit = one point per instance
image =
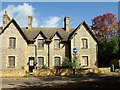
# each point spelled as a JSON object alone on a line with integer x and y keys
{"x": 51, "y": 81}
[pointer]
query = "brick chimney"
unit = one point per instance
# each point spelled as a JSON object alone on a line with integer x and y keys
{"x": 66, "y": 23}
{"x": 29, "y": 22}
{"x": 6, "y": 19}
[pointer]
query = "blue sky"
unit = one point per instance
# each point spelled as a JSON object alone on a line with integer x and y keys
{"x": 51, "y": 14}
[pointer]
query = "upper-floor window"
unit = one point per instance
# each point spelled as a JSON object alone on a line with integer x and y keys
{"x": 84, "y": 43}
{"x": 57, "y": 61}
{"x": 40, "y": 43}
{"x": 40, "y": 61}
{"x": 56, "y": 43}
{"x": 11, "y": 61}
{"x": 84, "y": 60}
{"x": 12, "y": 42}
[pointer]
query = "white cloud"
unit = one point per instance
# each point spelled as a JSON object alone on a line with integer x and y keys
{"x": 20, "y": 13}
{"x": 52, "y": 21}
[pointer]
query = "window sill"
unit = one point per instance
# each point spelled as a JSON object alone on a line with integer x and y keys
{"x": 40, "y": 48}
{"x": 11, "y": 47}
{"x": 11, "y": 67}
{"x": 84, "y": 48}
{"x": 56, "y": 48}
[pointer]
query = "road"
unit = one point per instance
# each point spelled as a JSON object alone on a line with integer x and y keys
{"x": 99, "y": 81}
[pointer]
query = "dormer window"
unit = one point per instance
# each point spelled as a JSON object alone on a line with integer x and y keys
{"x": 40, "y": 43}
{"x": 56, "y": 43}
{"x": 12, "y": 42}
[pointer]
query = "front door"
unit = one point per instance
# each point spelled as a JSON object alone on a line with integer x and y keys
{"x": 31, "y": 64}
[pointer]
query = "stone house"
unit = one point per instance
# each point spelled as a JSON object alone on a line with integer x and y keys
{"x": 29, "y": 48}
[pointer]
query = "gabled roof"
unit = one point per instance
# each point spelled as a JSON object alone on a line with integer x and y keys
{"x": 48, "y": 33}
{"x": 41, "y": 34}
{"x": 57, "y": 33}
{"x": 87, "y": 28}
{"x": 18, "y": 28}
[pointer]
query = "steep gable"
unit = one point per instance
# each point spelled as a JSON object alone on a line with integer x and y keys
{"x": 87, "y": 28}
{"x": 18, "y": 28}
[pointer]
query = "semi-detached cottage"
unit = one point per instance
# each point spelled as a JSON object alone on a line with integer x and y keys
{"x": 29, "y": 48}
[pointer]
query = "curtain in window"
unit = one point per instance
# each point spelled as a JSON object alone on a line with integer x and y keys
{"x": 40, "y": 61}
{"x": 84, "y": 43}
{"x": 40, "y": 43}
{"x": 12, "y": 42}
{"x": 56, "y": 43}
{"x": 11, "y": 61}
{"x": 85, "y": 60}
{"x": 57, "y": 61}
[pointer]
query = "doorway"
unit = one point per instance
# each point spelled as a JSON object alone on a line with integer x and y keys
{"x": 31, "y": 64}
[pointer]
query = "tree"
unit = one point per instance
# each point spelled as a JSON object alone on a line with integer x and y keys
{"x": 105, "y": 26}
{"x": 108, "y": 50}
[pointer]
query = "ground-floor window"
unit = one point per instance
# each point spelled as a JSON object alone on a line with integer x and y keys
{"x": 84, "y": 61}
{"x": 11, "y": 61}
{"x": 56, "y": 61}
{"x": 40, "y": 61}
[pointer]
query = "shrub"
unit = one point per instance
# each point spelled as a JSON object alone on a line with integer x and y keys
{"x": 44, "y": 67}
{"x": 66, "y": 63}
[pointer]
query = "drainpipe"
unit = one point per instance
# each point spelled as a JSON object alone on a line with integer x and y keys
{"x": 49, "y": 55}
{"x": 35, "y": 57}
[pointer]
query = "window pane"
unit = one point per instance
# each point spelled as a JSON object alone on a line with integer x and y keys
{"x": 57, "y": 61}
{"x": 84, "y": 43}
{"x": 85, "y": 60}
{"x": 11, "y": 61}
{"x": 40, "y": 43}
{"x": 12, "y": 42}
{"x": 40, "y": 61}
{"x": 56, "y": 43}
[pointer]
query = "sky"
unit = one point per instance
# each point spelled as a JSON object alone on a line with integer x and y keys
{"x": 51, "y": 14}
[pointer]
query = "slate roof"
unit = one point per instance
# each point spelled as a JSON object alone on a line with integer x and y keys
{"x": 47, "y": 33}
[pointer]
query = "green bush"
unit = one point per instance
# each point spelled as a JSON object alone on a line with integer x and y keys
{"x": 66, "y": 63}
{"x": 44, "y": 67}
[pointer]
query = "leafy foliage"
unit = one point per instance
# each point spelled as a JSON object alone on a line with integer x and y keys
{"x": 105, "y": 26}
{"x": 66, "y": 63}
{"x": 108, "y": 49}
{"x": 44, "y": 67}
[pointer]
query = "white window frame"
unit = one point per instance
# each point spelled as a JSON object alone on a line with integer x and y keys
{"x": 84, "y": 43}
{"x": 86, "y": 62}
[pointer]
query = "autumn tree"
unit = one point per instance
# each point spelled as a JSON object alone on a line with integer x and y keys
{"x": 105, "y": 26}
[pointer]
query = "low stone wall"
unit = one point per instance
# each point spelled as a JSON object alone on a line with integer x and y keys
{"x": 12, "y": 73}
{"x": 52, "y": 72}
{"x": 63, "y": 72}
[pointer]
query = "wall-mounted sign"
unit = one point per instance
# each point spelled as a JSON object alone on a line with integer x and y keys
{"x": 74, "y": 50}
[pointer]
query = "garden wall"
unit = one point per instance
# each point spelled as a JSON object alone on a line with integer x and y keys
{"x": 11, "y": 73}
{"x": 52, "y": 72}
{"x": 62, "y": 72}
